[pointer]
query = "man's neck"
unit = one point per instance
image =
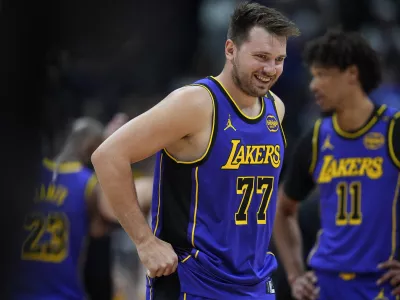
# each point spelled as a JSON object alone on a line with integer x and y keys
{"x": 355, "y": 113}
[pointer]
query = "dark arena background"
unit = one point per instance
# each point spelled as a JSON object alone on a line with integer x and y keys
{"x": 64, "y": 59}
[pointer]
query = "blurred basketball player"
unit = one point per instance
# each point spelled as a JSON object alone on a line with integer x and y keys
{"x": 220, "y": 148}
{"x": 353, "y": 157}
{"x": 68, "y": 207}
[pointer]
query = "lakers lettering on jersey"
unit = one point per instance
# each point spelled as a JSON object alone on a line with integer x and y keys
{"x": 55, "y": 232}
{"x": 371, "y": 167}
{"x": 252, "y": 155}
{"x": 358, "y": 178}
{"x": 218, "y": 211}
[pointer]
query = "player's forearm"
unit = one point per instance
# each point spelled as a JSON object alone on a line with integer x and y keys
{"x": 287, "y": 238}
{"x": 115, "y": 177}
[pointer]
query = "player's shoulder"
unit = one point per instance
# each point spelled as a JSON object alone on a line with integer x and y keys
{"x": 280, "y": 106}
{"x": 191, "y": 97}
{"x": 192, "y": 93}
{"x": 275, "y": 97}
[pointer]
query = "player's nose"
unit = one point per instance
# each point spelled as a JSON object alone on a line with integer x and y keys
{"x": 269, "y": 70}
{"x": 313, "y": 86}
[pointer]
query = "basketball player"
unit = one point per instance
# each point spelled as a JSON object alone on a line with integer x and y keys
{"x": 220, "y": 149}
{"x": 68, "y": 207}
{"x": 353, "y": 157}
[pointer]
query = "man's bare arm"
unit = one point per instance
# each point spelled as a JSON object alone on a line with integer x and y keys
{"x": 144, "y": 187}
{"x": 287, "y": 236}
{"x": 184, "y": 112}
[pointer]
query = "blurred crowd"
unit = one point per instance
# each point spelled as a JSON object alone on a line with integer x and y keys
{"x": 127, "y": 55}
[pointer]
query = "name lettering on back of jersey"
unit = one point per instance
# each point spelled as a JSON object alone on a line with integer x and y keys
{"x": 252, "y": 155}
{"x": 272, "y": 123}
{"x": 52, "y": 193}
{"x": 327, "y": 144}
{"x": 372, "y": 167}
{"x": 229, "y": 124}
{"x": 374, "y": 140}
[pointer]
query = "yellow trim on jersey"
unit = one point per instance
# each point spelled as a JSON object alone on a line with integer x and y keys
{"x": 90, "y": 185}
{"x": 65, "y": 167}
{"x": 394, "y": 218}
{"x": 361, "y": 131}
{"x": 184, "y": 296}
{"x": 392, "y": 155}
{"x": 196, "y": 179}
{"x": 280, "y": 123}
{"x": 315, "y": 138}
{"x": 270, "y": 253}
{"x": 186, "y": 258}
{"x": 159, "y": 195}
{"x": 238, "y": 108}
{"x": 211, "y": 135}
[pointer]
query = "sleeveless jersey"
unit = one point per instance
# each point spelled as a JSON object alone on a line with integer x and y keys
{"x": 55, "y": 234}
{"x": 358, "y": 181}
{"x": 218, "y": 211}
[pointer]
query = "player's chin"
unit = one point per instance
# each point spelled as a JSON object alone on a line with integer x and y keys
{"x": 325, "y": 108}
{"x": 261, "y": 90}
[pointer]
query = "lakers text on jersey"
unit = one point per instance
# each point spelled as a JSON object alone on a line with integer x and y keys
{"x": 218, "y": 211}
{"x": 359, "y": 192}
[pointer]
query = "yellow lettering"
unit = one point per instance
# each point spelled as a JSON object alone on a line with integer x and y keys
{"x": 52, "y": 193}
{"x": 325, "y": 174}
{"x": 259, "y": 154}
{"x": 350, "y": 167}
{"x": 342, "y": 168}
{"x": 229, "y": 164}
{"x": 366, "y": 163}
{"x": 239, "y": 159}
{"x": 249, "y": 156}
{"x": 276, "y": 158}
{"x": 376, "y": 170}
{"x": 252, "y": 155}
{"x": 269, "y": 151}
{"x": 353, "y": 168}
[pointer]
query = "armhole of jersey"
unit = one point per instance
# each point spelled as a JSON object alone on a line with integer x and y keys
{"x": 279, "y": 121}
{"x": 212, "y": 135}
{"x": 90, "y": 185}
{"x": 314, "y": 142}
{"x": 392, "y": 154}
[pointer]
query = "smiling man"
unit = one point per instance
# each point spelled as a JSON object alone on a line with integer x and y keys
{"x": 220, "y": 150}
{"x": 353, "y": 157}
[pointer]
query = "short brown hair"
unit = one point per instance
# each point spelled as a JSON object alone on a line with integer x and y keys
{"x": 248, "y": 15}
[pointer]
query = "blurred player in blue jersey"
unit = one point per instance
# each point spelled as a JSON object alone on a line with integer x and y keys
{"x": 353, "y": 157}
{"x": 68, "y": 207}
{"x": 220, "y": 147}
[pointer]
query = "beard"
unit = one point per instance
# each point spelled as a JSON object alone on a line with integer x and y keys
{"x": 245, "y": 82}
